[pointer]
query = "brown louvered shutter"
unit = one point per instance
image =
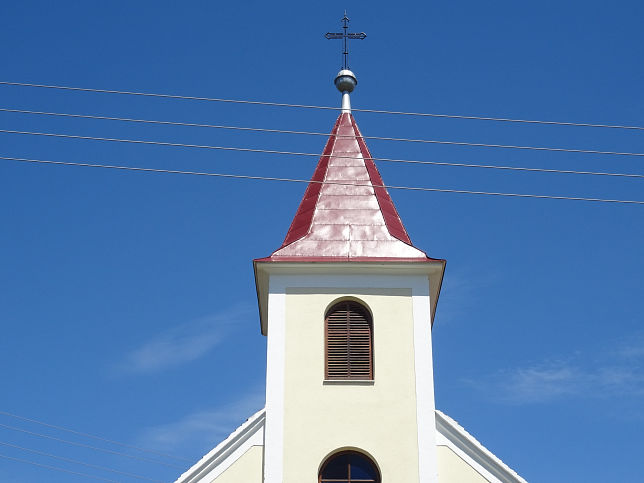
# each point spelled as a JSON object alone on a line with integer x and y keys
{"x": 348, "y": 342}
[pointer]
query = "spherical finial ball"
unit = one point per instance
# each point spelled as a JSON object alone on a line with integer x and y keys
{"x": 346, "y": 81}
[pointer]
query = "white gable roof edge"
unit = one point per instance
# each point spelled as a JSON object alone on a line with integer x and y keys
{"x": 472, "y": 448}
{"x": 235, "y": 443}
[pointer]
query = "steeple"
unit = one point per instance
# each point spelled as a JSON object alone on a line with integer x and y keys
{"x": 347, "y": 303}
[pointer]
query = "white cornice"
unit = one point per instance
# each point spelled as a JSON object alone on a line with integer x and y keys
{"x": 389, "y": 267}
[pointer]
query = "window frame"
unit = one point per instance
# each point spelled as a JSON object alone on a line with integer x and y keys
{"x": 331, "y": 457}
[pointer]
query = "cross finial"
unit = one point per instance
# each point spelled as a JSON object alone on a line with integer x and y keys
{"x": 345, "y": 36}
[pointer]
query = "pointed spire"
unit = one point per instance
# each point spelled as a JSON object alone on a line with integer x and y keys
{"x": 346, "y": 213}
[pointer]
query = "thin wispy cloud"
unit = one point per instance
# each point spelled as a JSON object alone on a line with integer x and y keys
{"x": 633, "y": 349}
{"x": 181, "y": 344}
{"x": 540, "y": 383}
{"x": 202, "y": 430}
{"x": 617, "y": 373}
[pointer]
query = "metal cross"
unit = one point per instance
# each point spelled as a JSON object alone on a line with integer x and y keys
{"x": 344, "y": 36}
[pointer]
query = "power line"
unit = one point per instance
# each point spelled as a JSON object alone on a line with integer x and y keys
{"x": 89, "y": 465}
{"x": 56, "y": 468}
{"x": 93, "y": 436}
{"x": 307, "y": 106}
{"x": 82, "y": 445}
{"x": 511, "y": 168}
{"x": 311, "y": 133}
{"x": 295, "y": 153}
{"x": 431, "y": 141}
{"x": 267, "y": 178}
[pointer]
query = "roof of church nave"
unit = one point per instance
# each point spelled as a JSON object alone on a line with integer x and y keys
{"x": 449, "y": 433}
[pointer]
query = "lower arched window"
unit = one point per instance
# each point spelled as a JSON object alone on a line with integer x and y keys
{"x": 349, "y": 467}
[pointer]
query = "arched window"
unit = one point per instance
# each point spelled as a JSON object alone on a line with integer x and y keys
{"x": 349, "y": 467}
{"x": 348, "y": 342}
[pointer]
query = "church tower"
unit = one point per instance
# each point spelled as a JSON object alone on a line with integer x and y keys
{"x": 347, "y": 304}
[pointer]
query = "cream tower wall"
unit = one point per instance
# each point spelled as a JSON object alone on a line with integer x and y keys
{"x": 391, "y": 419}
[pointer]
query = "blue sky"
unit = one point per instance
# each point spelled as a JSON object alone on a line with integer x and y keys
{"x": 127, "y": 300}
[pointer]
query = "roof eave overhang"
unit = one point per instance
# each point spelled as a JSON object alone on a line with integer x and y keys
{"x": 265, "y": 267}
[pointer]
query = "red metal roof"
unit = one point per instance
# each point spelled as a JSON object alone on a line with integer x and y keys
{"x": 352, "y": 218}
